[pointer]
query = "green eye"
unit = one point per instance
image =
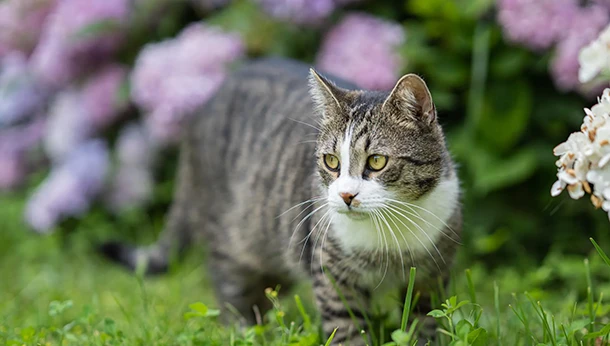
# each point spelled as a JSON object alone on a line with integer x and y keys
{"x": 377, "y": 162}
{"x": 331, "y": 162}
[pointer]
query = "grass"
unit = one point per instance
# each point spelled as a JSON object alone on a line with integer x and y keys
{"x": 54, "y": 290}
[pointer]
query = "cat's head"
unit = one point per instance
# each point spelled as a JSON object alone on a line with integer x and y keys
{"x": 375, "y": 147}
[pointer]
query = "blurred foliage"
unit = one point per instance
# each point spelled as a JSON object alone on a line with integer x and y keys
{"x": 500, "y": 110}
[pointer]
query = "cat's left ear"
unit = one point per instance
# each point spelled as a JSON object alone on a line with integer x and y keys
{"x": 411, "y": 96}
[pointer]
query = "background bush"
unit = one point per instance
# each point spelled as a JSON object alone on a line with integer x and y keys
{"x": 91, "y": 101}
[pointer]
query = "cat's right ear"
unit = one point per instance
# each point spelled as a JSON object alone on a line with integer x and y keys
{"x": 324, "y": 93}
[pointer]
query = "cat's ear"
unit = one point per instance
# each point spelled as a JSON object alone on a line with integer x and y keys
{"x": 411, "y": 96}
{"x": 326, "y": 95}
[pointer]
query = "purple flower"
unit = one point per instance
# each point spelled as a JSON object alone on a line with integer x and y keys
{"x": 21, "y": 23}
{"x": 100, "y": 96}
{"x": 363, "y": 49}
{"x": 65, "y": 51}
{"x": 304, "y": 12}
{"x": 132, "y": 183}
{"x": 70, "y": 188}
{"x": 20, "y": 96}
{"x": 15, "y": 144}
{"x": 536, "y": 24}
{"x": 585, "y": 26}
{"x": 173, "y": 78}
{"x": 299, "y": 11}
{"x": 77, "y": 114}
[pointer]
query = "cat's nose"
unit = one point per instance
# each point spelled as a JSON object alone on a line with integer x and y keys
{"x": 347, "y": 197}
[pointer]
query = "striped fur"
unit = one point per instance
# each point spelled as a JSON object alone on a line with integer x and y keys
{"x": 252, "y": 185}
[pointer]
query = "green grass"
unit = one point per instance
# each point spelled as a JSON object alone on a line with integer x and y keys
{"x": 54, "y": 290}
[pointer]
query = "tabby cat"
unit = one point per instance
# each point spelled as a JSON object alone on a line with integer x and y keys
{"x": 285, "y": 175}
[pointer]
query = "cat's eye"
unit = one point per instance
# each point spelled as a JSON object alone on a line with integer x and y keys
{"x": 377, "y": 162}
{"x": 331, "y": 162}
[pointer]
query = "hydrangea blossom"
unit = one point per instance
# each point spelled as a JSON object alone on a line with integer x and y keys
{"x": 15, "y": 143}
{"x": 20, "y": 96}
{"x": 363, "y": 49}
{"x": 21, "y": 23}
{"x": 132, "y": 182}
{"x": 304, "y": 12}
{"x": 585, "y": 26}
{"x": 70, "y": 188}
{"x": 173, "y": 78}
{"x": 584, "y": 157}
{"x": 595, "y": 58}
{"x": 536, "y": 24}
{"x": 65, "y": 51}
{"x": 77, "y": 114}
{"x": 565, "y": 23}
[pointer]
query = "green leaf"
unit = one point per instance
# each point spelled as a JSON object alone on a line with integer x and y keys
{"x": 478, "y": 337}
{"x": 601, "y": 333}
{"x": 437, "y": 313}
{"x": 463, "y": 328}
{"x": 199, "y": 307}
{"x": 493, "y": 173}
{"x": 507, "y": 108}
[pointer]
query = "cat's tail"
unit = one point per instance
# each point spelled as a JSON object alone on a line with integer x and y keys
{"x": 177, "y": 235}
{"x": 148, "y": 259}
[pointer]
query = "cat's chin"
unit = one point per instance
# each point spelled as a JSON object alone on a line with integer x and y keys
{"x": 354, "y": 215}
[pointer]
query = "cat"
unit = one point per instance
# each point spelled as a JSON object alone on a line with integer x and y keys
{"x": 285, "y": 175}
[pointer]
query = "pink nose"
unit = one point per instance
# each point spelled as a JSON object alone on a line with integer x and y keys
{"x": 347, "y": 197}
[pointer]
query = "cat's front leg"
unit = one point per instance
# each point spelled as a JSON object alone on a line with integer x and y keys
{"x": 336, "y": 313}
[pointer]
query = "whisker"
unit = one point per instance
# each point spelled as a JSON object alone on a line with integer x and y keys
{"x": 402, "y": 261}
{"x": 389, "y": 216}
{"x": 315, "y": 244}
{"x": 306, "y": 239}
{"x": 303, "y": 220}
{"x": 416, "y": 214}
{"x": 314, "y": 199}
{"x": 307, "y": 124}
{"x": 323, "y": 242}
{"x": 385, "y": 240}
{"x": 396, "y": 210}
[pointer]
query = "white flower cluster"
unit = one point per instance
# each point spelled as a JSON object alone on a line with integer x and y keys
{"x": 584, "y": 159}
{"x": 594, "y": 59}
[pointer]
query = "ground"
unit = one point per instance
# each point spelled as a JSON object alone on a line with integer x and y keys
{"x": 55, "y": 289}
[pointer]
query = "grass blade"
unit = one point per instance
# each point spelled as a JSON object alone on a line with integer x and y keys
{"x": 407, "y": 307}
{"x": 600, "y": 252}
{"x": 330, "y": 338}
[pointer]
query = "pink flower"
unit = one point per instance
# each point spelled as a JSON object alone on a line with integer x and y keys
{"x": 21, "y": 23}
{"x": 585, "y": 26}
{"x": 66, "y": 51}
{"x": 173, "y": 78}
{"x": 20, "y": 96}
{"x": 77, "y": 114}
{"x": 536, "y": 24}
{"x": 70, "y": 188}
{"x": 363, "y": 49}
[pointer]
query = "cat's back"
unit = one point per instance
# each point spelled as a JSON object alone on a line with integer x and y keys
{"x": 251, "y": 154}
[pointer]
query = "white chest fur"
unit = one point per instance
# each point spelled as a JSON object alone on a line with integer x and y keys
{"x": 399, "y": 227}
